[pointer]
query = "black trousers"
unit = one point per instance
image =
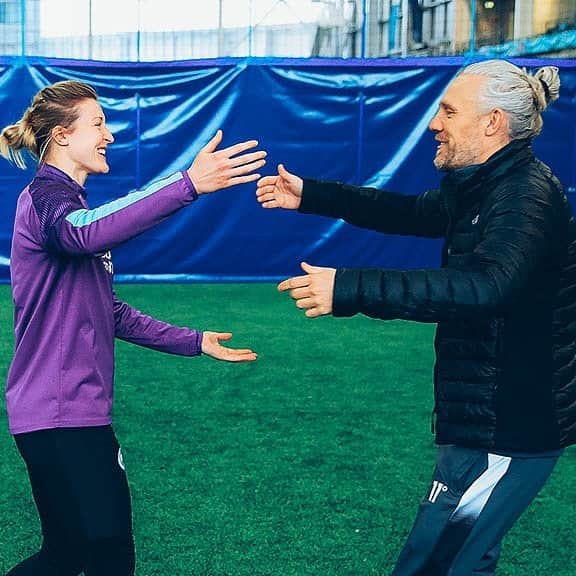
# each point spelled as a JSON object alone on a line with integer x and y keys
{"x": 474, "y": 499}
{"x": 81, "y": 492}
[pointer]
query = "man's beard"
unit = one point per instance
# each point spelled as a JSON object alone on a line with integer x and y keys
{"x": 456, "y": 158}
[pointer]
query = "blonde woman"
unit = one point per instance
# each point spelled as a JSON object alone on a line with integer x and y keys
{"x": 60, "y": 385}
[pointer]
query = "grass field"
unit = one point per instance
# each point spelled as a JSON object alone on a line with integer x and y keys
{"x": 310, "y": 461}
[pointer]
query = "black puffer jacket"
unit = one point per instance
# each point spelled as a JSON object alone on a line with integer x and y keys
{"x": 504, "y": 299}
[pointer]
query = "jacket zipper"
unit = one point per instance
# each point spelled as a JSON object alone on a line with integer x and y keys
{"x": 433, "y": 415}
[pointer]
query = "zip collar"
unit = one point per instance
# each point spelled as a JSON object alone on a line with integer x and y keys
{"x": 465, "y": 186}
{"x": 50, "y": 172}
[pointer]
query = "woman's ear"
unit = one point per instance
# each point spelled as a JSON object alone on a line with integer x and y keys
{"x": 60, "y": 135}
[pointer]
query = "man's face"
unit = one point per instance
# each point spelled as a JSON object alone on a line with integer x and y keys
{"x": 459, "y": 126}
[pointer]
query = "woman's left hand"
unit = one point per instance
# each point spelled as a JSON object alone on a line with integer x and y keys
{"x": 214, "y": 169}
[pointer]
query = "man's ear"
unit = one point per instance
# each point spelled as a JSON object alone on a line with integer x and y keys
{"x": 60, "y": 135}
{"x": 496, "y": 122}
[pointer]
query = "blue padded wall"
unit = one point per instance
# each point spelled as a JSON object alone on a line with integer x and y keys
{"x": 362, "y": 122}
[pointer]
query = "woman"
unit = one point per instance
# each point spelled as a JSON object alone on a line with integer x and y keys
{"x": 60, "y": 384}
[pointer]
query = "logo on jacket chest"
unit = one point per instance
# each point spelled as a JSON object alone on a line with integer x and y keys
{"x": 475, "y": 220}
{"x": 106, "y": 259}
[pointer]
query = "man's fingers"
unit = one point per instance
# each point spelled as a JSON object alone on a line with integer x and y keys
{"x": 305, "y": 303}
{"x": 282, "y": 171}
{"x": 262, "y": 196}
{"x": 313, "y": 312}
{"x": 308, "y": 268}
{"x": 267, "y": 193}
{"x": 269, "y": 203}
{"x": 298, "y": 293}
{"x": 284, "y": 285}
{"x": 267, "y": 181}
{"x": 295, "y": 282}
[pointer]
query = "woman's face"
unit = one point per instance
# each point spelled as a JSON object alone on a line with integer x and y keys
{"x": 86, "y": 142}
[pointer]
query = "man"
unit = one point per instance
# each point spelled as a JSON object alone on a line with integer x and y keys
{"x": 503, "y": 301}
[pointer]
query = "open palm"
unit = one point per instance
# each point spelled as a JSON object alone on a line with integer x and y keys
{"x": 283, "y": 190}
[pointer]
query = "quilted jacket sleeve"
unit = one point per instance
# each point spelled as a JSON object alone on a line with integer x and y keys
{"x": 423, "y": 215}
{"x": 518, "y": 239}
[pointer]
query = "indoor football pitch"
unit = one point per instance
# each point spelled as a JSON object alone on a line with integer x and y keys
{"x": 310, "y": 461}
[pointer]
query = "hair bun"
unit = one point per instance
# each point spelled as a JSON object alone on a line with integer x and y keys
{"x": 549, "y": 80}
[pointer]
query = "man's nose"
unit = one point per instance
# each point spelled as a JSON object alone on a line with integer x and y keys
{"x": 435, "y": 124}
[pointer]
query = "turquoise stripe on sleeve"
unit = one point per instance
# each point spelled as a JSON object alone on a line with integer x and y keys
{"x": 84, "y": 217}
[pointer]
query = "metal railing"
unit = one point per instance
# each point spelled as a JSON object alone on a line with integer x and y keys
{"x": 157, "y": 30}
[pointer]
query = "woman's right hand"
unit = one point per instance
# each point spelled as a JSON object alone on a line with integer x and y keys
{"x": 281, "y": 191}
{"x": 211, "y": 346}
{"x": 214, "y": 169}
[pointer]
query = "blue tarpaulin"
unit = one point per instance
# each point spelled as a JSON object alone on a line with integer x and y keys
{"x": 356, "y": 121}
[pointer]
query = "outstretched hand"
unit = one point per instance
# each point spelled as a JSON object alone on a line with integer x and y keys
{"x": 212, "y": 347}
{"x": 214, "y": 169}
{"x": 313, "y": 292}
{"x": 281, "y": 191}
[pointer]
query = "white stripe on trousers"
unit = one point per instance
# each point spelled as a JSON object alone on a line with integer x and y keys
{"x": 475, "y": 498}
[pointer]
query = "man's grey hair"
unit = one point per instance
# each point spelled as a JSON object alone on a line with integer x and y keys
{"x": 520, "y": 95}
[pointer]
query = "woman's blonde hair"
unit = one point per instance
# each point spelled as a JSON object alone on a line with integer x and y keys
{"x": 54, "y": 105}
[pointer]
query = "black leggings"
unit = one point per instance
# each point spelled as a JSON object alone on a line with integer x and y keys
{"x": 81, "y": 492}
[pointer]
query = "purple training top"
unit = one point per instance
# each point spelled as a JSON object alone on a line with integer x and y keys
{"x": 66, "y": 314}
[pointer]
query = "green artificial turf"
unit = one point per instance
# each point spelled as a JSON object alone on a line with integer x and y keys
{"x": 310, "y": 461}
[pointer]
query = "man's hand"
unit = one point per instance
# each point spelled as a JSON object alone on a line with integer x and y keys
{"x": 214, "y": 169}
{"x": 212, "y": 347}
{"x": 281, "y": 191}
{"x": 313, "y": 292}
